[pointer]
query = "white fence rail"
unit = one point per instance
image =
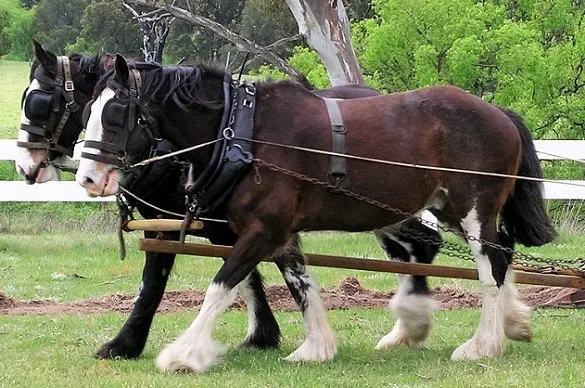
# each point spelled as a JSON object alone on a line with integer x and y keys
{"x": 71, "y": 192}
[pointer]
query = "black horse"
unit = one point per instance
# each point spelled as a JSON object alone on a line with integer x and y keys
{"x": 36, "y": 165}
{"x": 443, "y": 127}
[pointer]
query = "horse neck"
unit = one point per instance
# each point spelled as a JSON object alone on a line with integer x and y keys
{"x": 187, "y": 128}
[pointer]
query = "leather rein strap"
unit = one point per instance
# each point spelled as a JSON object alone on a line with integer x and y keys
{"x": 338, "y": 169}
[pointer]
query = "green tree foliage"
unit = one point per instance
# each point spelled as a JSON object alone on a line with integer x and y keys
{"x": 59, "y": 22}
{"x": 108, "y": 27}
{"x": 17, "y": 28}
{"x": 267, "y": 21}
{"x": 525, "y": 54}
{"x": 196, "y": 44}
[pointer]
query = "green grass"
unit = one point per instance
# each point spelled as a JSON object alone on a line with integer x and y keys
{"x": 56, "y": 351}
{"x": 28, "y": 262}
{"x": 13, "y": 80}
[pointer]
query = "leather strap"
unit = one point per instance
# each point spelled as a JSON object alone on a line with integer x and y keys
{"x": 338, "y": 169}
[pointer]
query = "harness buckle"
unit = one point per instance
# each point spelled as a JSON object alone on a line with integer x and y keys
{"x": 72, "y": 106}
{"x": 339, "y": 129}
{"x": 250, "y": 89}
{"x": 228, "y": 133}
{"x": 247, "y": 103}
{"x": 69, "y": 87}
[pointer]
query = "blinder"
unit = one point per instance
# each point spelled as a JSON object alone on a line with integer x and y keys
{"x": 41, "y": 107}
{"x": 37, "y": 108}
{"x": 120, "y": 116}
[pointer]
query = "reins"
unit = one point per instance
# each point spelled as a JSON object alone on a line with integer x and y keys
{"x": 366, "y": 159}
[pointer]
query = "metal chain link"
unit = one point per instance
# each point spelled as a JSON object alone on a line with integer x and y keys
{"x": 576, "y": 265}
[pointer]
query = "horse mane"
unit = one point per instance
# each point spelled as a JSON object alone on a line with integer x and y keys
{"x": 86, "y": 64}
{"x": 181, "y": 85}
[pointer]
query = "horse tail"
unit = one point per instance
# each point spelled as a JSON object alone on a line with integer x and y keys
{"x": 524, "y": 217}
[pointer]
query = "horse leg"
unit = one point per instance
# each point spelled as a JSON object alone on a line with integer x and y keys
{"x": 412, "y": 304}
{"x": 320, "y": 343}
{"x": 130, "y": 341}
{"x": 263, "y": 331}
{"x": 516, "y": 313}
{"x": 492, "y": 264}
{"x": 195, "y": 350}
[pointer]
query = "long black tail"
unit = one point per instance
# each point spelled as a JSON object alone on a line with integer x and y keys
{"x": 524, "y": 217}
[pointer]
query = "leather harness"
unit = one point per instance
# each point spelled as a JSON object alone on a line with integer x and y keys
{"x": 338, "y": 169}
{"x": 62, "y": 87}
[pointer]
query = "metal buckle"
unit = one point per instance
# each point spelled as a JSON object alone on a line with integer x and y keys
{"x": 69, "y": 86}
{"x": 247, "y": 103}
{"x": 228, "y": 133}
{"x": 250, "y": 89}
{"x": 339, "y": 129}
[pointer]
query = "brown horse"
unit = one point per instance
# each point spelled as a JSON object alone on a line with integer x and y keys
{"x": 438, "y": 126}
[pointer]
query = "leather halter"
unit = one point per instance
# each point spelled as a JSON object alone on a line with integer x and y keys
{"x": 135, "y": 114}
{"x": 63, "y": 87}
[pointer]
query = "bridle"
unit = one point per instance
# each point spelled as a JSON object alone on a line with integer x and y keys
{"x": 121, "y": 115}
{"x": 41, "y": 107}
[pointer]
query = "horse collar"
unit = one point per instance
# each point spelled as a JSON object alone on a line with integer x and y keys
{"x": 231, "y": 156}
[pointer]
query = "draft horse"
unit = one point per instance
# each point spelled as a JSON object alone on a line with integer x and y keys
{"x": 438, "y": 126}
{"x": 44, "y": 150}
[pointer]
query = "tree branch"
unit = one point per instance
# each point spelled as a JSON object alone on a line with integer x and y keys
{"x": 239, "y": 41}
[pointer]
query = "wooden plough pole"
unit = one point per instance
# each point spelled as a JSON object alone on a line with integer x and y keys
{"x": 563, "y": 278}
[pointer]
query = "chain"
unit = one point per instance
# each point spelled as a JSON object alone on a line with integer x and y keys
{"x": 454, "y": 250}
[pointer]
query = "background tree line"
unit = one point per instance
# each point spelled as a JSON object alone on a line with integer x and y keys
{"x": 524, "y": 54}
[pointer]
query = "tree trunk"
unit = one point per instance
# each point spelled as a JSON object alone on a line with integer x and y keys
{"x": 155, "y": 29}
{"x": 325, "y": 26}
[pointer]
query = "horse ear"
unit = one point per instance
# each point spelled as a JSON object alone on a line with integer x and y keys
{"x": 107, "y": 62}
{"x": 121, "y": 68}
{"x": 46, "y": 58}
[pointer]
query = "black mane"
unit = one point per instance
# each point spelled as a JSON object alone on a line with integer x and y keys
{"x": 87, "y": 65}
{"x": 181, "y": 85}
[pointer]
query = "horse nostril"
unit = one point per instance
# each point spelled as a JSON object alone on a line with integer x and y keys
{"x": 29, "y": 179}
{"x": 88, "y": 180}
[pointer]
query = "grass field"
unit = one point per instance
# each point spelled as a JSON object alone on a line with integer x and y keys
{"x": 43, "y": 351}
{"x": 13, "y": 80}
{"x": 57, "y": 350}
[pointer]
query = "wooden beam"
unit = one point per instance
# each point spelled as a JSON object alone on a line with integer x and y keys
{"x": 152, "y": 245}
{"x": 161, "y": 225}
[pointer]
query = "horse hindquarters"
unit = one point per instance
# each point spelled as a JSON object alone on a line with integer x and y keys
{"x": 130, "y": 341}
{"x": 524, "y": 216}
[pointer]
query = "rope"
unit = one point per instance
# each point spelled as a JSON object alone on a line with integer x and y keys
{"x": 178, "y": 215}
{"x": 171, "y": 154}
{"x": 561, "y": 157}
{"x": 410, "y": 165}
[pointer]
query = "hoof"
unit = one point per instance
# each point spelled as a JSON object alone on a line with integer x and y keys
{"x": 181, "y": 357}
{"x": 517, "y": 326}
{"x": 265, "y": 337}
{"x": 400, "y": 336}
{"x": 313, "y": 351}
{"x": 476, "y": 348}
{"x": 119, "y": 349}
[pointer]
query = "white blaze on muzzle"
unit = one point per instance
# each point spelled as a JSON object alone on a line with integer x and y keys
{"x": 98, "y": 178}
{"x": 27, "y": 159}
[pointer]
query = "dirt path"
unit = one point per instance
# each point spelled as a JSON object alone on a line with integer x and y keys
{"x": 349, "y": 294}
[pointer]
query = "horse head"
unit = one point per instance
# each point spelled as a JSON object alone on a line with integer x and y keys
{"x": 134, "y": 109}
{"x": 52, "y": 105}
